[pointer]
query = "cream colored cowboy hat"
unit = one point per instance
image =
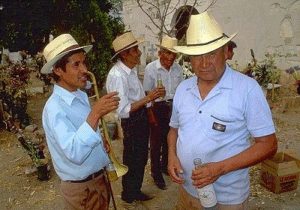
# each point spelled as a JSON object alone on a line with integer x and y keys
{"x": 57, "y": 48}
{"x": 124, "y": 42}
{"x": 203, "y": 35}
{"x": 168, "y": 43}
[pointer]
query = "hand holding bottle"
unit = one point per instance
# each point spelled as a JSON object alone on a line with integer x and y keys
{"x": 206, "y": 194}
{"x": 208, "y": 173}
{"x": 162, "y": 92}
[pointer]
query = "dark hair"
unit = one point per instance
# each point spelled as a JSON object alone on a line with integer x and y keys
{"x": 61, "y": 63}
{"x": 232, "y": 44}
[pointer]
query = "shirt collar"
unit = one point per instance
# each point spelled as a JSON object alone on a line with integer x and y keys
{"x": 125, "y": 68}
{"x": 159, "y": 66}
{"x": 224, "y": 83}
{"x": 226, "y": 79}
{"x": 66, "y": 95}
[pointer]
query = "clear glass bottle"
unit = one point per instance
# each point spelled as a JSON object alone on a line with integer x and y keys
{"x": 207, "y": 193}
{"x": 159, "y": 81}
{"x": 111, "y": 172}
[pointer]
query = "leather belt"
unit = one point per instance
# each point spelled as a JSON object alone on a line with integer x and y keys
{"x": 169, "y": 100}
{"x": 90, "y": 177}
{"x": 166, "y": 102}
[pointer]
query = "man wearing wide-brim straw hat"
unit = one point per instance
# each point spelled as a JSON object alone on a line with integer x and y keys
{"x": 71, "y": 126}
{"x": 166, "y": 74}
{"x": 214, "y": 114}
{"x": 123, "y": 78}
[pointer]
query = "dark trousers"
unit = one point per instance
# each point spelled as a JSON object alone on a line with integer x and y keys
{"x": 158, "y": 138}
{"x": 135, "y": 153}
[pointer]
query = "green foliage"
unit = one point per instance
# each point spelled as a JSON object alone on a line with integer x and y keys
{"x": 266, "y": 72}
{"x": 27, "y": 25}
{"x": 24, "y": 24}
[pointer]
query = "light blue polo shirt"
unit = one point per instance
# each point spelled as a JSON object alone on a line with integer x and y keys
{"x": 219, "y": 127}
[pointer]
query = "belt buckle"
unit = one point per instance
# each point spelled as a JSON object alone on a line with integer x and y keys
{"x": 169, "y": 101}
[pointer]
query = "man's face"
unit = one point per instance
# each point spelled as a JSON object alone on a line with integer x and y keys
{"x": 167, "y": 58}
{"x": 75, "y": 74}
{"x": 132, "y": 56}
{"x": 211, "y": 66}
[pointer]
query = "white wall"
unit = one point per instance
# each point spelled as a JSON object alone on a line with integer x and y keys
{"x": 262, "y": 25}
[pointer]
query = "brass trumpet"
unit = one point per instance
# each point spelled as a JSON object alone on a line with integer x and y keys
{"x": 120, "y": 169}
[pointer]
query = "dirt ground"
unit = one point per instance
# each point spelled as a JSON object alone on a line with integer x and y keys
{"x": 25, "y": 192}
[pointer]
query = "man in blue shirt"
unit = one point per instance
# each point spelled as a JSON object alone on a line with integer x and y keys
{"x": 71, "y": 126}
{"x": 214, "y": 114}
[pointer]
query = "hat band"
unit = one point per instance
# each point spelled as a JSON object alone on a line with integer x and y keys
{"x": 70, "y": 48}
{"x": 126, "y": 46}
{"x": 223, "y": 35}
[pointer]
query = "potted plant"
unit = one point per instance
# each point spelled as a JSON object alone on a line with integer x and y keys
{"x": 37, "y": 156}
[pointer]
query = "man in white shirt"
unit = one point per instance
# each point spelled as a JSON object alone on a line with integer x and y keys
{"x": 77, "y": 149}
{"x": 132, "y": 110}
{"x": 168, "y": 74}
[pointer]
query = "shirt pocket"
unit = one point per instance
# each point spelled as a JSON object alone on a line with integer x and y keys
{"x": 218, "y": 127}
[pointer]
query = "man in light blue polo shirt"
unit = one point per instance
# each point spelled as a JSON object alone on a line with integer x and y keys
{"x": 214, "y": 115}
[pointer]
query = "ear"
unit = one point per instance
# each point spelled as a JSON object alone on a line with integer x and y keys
{"x": 226, "y": 54}
{"x": 57, "y": 71}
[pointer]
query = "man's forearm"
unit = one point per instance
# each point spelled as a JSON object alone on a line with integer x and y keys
{"x": 172, "y": 140}
{"x": 263, "y": 148}
{"x": 138, "y": 104}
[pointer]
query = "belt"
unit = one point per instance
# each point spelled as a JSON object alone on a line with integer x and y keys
{"x": 168, "y": 101}
{"x": 90, "y": 177}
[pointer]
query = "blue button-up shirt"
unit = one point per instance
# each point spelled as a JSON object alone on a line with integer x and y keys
{"x": 219, "y": 127}
{"x": 76, "y": 149}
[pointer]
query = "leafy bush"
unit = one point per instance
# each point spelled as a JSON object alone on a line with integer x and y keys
{"x": 265, "y": 72}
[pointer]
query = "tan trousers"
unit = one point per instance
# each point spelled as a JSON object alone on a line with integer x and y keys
{"x": 187, "y": 202}
{"x": 90, "y": 195}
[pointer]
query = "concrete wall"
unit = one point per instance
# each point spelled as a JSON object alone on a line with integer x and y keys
{"x": 262, "y": 25}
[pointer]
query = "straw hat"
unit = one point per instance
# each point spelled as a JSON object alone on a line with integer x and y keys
{"x": 124, "y": 42}
{"x": 203, "y": 35}
{"x": 168, "y": 43}
{"x": 57, "y": 48}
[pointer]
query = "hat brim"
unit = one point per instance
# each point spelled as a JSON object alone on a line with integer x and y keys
{"x": 169, "y": 49}
{"x": 203, "y": 49}
{"x": 47, "y": 68}
{"x": 138, "y": 41}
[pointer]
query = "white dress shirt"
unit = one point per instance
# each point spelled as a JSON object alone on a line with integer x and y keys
{"x": 170, "y": 79}
{"x": 126, "y": 82}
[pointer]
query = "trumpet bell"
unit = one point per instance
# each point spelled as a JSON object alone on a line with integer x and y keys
{"x": 120, "y": 168}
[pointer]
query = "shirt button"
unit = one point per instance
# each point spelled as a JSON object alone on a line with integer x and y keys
{"x": 200, "y": 112}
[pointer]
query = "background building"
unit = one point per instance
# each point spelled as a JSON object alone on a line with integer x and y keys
{"x": 269, "y": 26}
